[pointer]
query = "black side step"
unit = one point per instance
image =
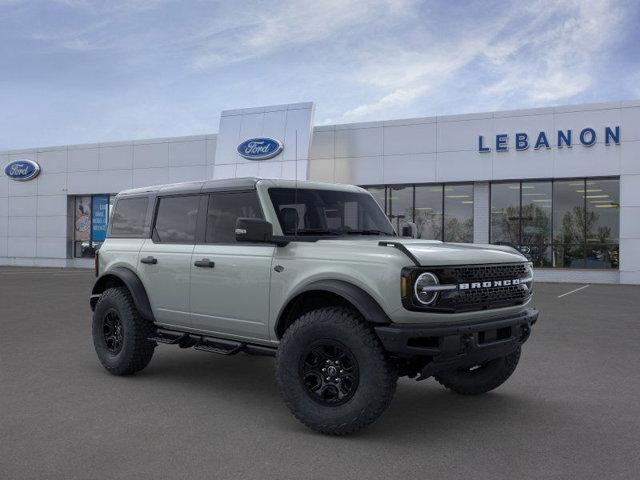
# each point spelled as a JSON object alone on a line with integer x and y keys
{"x": 205, "y": 343}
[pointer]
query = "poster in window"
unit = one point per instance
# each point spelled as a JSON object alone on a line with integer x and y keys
{"x": 82, "y": 229}
{"x": 99, "y": 212}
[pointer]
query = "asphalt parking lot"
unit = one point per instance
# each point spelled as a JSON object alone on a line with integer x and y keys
{"x": 571, "y": 410}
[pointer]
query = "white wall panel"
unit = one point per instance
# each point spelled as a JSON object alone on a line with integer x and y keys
{"x": 420, "y": 138}
{"x": 51, "y": 205}
{"x": 22, "y": 227}
{"x": 415, "y": 168}
{"x": 4, "y": 226}
{"x": 21, "y": 246}
{"x": 84, "y": 182}
{"x": 22, "y": 206}
{"x": 52, "y": 161}
{"x": 359, "y": 142}
{"x": 322, "y": 170}
{"x": 22, "y": 189}
{"x": 463, "y": 166}
{"x": 83, "y": 159}
{"x": 117, "y": 157}
{"x": 359, "y": 171}
{"x": 4, "y": 206}
{"x": 144, "y": 177}
{"x": 630, "y": 157}
{"x": 52, "y": 247}
{"x": 224, "y": 171}
{"x": 52, "y": 183}
{"x": 630, "y": 124}
{"x": 52, "y": 226}
{"x": 322, "y": 144}
{"x": 151, "y": 155}
{"x": 188, "y": 153}
{"x": 188, "y": 173}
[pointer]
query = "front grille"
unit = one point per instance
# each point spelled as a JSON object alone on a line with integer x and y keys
{"x": 485, "y": 297}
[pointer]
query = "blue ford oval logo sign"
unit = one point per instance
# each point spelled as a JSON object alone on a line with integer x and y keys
{"x": 260, "y": 148}
{"x": 22, "y": 170}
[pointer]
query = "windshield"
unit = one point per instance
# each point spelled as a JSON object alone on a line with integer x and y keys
{"x": 328, "y": 212}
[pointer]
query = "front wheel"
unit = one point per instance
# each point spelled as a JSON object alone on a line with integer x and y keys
{"x": 120, "y": 334}
{"x": 333, "y": 373}
{"x": 480, "y": 378}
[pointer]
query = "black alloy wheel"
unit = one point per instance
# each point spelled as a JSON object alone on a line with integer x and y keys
{"x": 329, "y": 372}
{"x": 112, "y": 331}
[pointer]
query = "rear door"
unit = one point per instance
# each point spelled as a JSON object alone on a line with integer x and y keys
{"x": 164, "y": 262}
{"x": 229, "y": 280}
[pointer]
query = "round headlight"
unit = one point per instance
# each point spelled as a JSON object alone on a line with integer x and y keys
{"x": 421, "y": 289}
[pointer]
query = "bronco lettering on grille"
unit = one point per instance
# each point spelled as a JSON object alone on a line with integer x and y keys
{"x": 488, "y": 284}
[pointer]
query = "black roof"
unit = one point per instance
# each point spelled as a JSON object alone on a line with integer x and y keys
{"x": 200, "y": 186}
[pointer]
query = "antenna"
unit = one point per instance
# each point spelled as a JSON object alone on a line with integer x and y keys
{"x": 295, "y": 194}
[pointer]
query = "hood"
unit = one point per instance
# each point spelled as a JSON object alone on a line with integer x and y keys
{"x": 435, "y": 253}
{"x": 431, "y": 253}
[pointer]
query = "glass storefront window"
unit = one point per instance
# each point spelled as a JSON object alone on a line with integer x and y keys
{"x": 505, "y": 214}
{"x": 428, "y": 211}
{"x": 91, "y": 218}
{"x": 535, "y": 242}
{"x": 458, "y": 213}
{"x": 400, "y": 206}
{"x": 564, "y": 223}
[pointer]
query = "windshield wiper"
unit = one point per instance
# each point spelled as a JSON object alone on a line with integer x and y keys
{"x": 315, "y": 232}
{"x": 368, "y": 232}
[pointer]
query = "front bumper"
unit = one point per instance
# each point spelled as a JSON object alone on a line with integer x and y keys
{"x": 457, "y": 345}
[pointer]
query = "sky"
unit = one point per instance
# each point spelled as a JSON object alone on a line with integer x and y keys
{"x": 80, "y": 71}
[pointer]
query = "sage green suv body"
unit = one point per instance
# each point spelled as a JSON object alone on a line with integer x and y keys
{"x": 314, "y": 274}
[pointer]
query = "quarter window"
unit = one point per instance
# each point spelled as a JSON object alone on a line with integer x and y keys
{"x": 224, "y": 209}
{"x": 177, "y": 219}
{"x": 128, "y": 217}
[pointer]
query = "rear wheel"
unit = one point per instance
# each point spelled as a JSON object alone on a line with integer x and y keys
{"x": 333, "y": 373}
{"x": 120, "y": 334}
{"x": 480, "y": 378}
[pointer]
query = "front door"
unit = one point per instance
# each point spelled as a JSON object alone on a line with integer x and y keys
{"x": 229, "y": 280}
{"x": 164, "y": 263}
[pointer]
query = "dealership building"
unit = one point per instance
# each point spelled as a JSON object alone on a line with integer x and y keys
{"x": 561, "y": 184}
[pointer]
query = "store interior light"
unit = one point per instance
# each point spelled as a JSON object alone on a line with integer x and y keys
{"x": 457, "y": 196}
{"x": 540, "y": 200}
{"x": 467, "y": 201}
{"x": 534, "y": 194}
{"x": 597, "y": 196}
{"x": 610, "y": 205}
{"x": 589, "y": 190}
{"x": 602, "y": 201}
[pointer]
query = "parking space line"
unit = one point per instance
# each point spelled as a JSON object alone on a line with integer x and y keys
{"x": 573, "y": 291}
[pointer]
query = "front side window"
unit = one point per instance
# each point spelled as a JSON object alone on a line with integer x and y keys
{"x": 328, "y": 212}
{"x": 128, "y": 217}
{"x": 224, "y": 209}
{"x": 177, "y": 219}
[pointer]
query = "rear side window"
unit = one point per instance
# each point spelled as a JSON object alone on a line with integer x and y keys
{"x": 224, "y": 209}
{"x": 127, "y": 219}
{"x": 176, "y": 219}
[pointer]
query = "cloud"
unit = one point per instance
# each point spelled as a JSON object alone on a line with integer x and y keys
{"x": 541, "y": 53}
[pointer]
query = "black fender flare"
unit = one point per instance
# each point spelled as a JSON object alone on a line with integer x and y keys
{"x": 132, "y": 282}
{"x": 356, "y": 296}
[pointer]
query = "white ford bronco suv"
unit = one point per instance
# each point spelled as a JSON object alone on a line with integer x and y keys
{"x": 315, "y": 275}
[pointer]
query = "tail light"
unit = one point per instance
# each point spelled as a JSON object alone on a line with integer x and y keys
{"x": 96, "y": 264}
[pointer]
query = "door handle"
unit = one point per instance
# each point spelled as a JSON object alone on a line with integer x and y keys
{"x": 204, "y": 263}
{"x": 149, "y": 260}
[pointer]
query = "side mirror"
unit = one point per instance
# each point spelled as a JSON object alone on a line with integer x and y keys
{"x": 254, "y": 230}
{"x": 410, "y": 230}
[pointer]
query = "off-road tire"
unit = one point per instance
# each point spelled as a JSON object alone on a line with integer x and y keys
{"x": 482, "y": 379}
{"x": 376, "y": 379}
{"x": 136, "y": 350}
